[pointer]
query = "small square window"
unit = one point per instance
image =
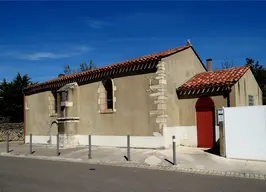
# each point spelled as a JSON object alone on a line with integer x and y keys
{"x": 250, "y": 100}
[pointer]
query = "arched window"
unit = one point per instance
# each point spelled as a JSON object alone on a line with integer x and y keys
{"x": 106, "y": 97}
{"x": 108, "y": 85}
{"x": 55, "y": 101}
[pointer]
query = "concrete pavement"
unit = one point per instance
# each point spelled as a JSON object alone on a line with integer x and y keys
{"x": 30, "y": 175}
{"x": 188, "y": 159}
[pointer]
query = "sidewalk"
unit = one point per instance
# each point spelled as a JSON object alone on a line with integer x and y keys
{"x": 188, "y": 159}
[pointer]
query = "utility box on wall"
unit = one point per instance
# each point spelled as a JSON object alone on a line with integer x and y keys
{"x": 220, "y": 113}
{"x": 220, "y": 121}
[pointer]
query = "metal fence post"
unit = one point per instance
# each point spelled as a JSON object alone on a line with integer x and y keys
{"x": 7, "y": 142}
{"x": 174, "y": 151}
{"x": 30, "y": 143}
{"x": 89, "y": 140}
{"x": 57, "y": 145}
{"x": 128, "y": 147}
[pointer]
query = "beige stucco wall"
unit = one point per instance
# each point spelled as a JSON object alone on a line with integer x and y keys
{"x": 133, "y": 105}
{"x": 132, "y": 116}
{"x": 247, "y": 85}
{"x": 187, "y": 110}
{"x": 180, "y": 67}
{"x": 38, "y": 120}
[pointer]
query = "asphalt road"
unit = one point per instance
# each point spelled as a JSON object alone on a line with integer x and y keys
{"x": 28, "y": 175}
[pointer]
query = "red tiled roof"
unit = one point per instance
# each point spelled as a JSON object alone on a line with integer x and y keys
{"x": 127, "y": 63}
{"x": 225, "y": 77}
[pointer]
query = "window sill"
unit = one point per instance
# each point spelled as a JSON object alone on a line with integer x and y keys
{"x": 107, "y": 111}
{"x": 53, "y": 115}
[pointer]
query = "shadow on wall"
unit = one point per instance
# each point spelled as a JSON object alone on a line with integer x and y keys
{"x": 216, "y": 148}
{"x": 52, "y": 131}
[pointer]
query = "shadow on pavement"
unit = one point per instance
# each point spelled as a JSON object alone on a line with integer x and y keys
{"x": 169, "y": 161}
{"x": 215, "y": 150}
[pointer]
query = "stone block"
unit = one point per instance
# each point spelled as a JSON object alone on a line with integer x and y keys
{"x": 161, "y": 76}
{"x": 157, "y": 94}
{"x": 157, "y": 112}
{"x": 162, "y": 89}
{"x": 162, "y": 97}
{"x": 163, "y": 81}
{"x": 160, "y": 72}
{"x": 161, "y": 106}
{"x": 155, "y": 87}
{"x": 102, "y": 95}
{"x": 161, "y": 120}
{"x": 163, "y": 116}
{"x": 159, "y": 101}
{"x": 162, "y": 64}
{"x": 161, "y": 68}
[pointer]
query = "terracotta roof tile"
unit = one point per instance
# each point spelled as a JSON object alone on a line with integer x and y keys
{"x": 214, "y": 78}
{"x": 127, "y": 63}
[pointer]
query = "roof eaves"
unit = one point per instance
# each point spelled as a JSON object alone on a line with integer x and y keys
{"x": 226, "y": 83}
{"x": 127, "y": 63}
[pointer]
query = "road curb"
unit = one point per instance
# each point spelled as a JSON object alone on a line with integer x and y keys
{"x": 144, "y": 166}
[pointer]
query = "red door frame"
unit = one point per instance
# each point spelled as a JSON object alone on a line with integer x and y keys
{"x": 205, "y": 107}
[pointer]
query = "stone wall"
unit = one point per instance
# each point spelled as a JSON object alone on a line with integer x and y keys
{"x": 159, "y": 94}
{"x": 15, "y": 130}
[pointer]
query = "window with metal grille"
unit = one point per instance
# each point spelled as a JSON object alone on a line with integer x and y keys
{"x": 250, "y": 100}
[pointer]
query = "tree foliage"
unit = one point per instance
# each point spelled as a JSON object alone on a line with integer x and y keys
{"x": 258, "y": 71}
{"x": 82, "y": 67}
{"x": 260, "y": 75}
{"x": 12, "y": 98}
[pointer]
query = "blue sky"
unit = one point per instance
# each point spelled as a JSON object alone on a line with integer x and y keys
{"x": 39, "y": 38}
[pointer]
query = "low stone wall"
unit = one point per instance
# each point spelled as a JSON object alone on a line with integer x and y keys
{"x": 15, "y": 130}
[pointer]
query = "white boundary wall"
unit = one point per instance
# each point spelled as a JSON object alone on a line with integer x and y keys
{"x": 245, "y": 132}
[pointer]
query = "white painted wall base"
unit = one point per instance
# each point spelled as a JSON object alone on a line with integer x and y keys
{"x": 108, "y": 141}
{"x": 185, "y": 136}
{"x": 41, "y": 139}
{"x": 121, "y": 141}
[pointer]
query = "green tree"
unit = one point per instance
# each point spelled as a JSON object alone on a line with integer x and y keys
{"x": 12, "y": 98}
{"x": 260, "y": 75}
{"x": 258, "y": 71}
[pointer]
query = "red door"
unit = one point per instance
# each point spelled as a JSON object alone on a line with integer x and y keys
{"x": 205, "y": 128}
